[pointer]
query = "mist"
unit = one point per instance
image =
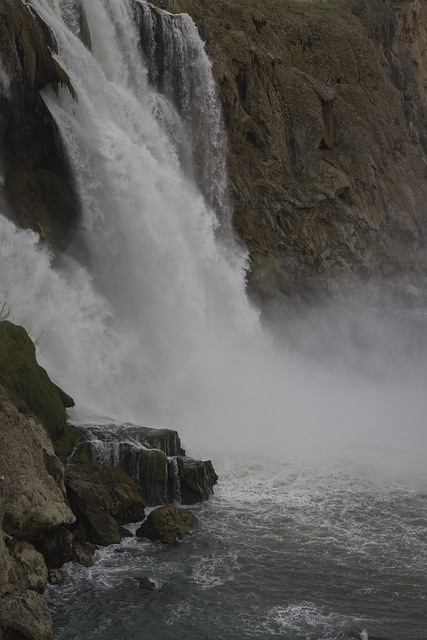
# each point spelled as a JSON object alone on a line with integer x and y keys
{"x": 147, "y": 318}
{"x": 337, "y": 383}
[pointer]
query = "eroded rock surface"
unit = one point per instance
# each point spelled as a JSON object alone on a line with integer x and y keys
{"x": 154, "y": 458}
{"x": 31, "y": 503}
{"x": 32, "y": 500}
{"x": 24, "y": 615}
{"x": 102, "y": 497}
{"x": 325, "y": 108}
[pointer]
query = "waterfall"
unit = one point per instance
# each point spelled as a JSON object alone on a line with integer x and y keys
{"x": 150, "y": 281}
{"x": 146, "y": 319}
{"x": 181, "y": 72}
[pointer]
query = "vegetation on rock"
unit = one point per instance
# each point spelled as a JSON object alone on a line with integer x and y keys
{"x": 102, "y": 497}
{"x": 28, "y": 385}
{"x": 167, "y": 524}
{"x": 197, "y": 478}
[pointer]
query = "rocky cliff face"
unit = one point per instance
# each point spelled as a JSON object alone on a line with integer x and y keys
{"x": 31, "y": 502}
{"x": 38, "y": 189}
{"x": 325, "y": 107}
{"x": 49, "y": 514}
{"x": 324, "y": 104}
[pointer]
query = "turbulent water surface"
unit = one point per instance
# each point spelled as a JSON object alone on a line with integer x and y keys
{"x": 281, "y": 551}
{"x": 146, "y": 319}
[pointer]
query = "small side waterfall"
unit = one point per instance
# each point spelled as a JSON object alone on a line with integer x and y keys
{"x": 180, "y": 70}
{"x": 154, "y": 458}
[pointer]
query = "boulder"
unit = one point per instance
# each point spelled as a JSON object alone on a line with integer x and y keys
{"x": 102, "y": 497}
{"x": 33, "y": 502}
{"x": 29, "y": 569}
{"x": 55, "y": 576}
{"x": 167, "y": 524}
{"x": 145, "y": 584}
{"x": 24, "y": 615}
{"x": 197, "y": 478}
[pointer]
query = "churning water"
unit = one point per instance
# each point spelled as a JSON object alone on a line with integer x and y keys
{"x": 147, "y": 320}
{"x": 281, "y": 551}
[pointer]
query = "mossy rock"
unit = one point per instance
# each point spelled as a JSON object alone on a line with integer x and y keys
{"x": 197, "y": 478}
{"x": 126, "y": 505}
{"x": 29, "y": 387}
{"x": 82, "y": 454}
{"x": 167, "y": 524}
{"x": 102, "y": 498}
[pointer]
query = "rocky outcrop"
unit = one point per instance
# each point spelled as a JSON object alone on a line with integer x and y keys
{"x": 33, "y": 500}
{"x": 167, "y": 524}
{"x": 38, "y": 190}
{"x": 32, "y": 503}
{"x": 196, "y": 479}
{"x": 24, "y": 616}
{"x": 102, "y": 498}
{"x": 154, "y": 458}
{"x": 325, "y": 108}
{"x": 49, "y": 516}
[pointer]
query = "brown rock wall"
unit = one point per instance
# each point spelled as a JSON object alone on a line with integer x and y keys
{"x": 325, "y": 107}
{"x": 32, "y": 500}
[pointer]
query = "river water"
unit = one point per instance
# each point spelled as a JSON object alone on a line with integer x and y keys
{"x": 292, "y": 551}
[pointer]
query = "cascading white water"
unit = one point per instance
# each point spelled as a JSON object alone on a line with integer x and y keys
{"x": 180, "y": 71}
{"x": 160, "y": 285}
{"x": 149, "y": 321}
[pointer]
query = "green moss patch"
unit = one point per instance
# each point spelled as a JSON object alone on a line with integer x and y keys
{"x": 30, "y": 388}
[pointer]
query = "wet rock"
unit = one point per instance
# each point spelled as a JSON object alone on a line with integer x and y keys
{"x": 102, "y": 497}
{"x": 55, "y": 576}
{"x": 167, "y": 524}
{"x": 150, "y": 457}
{"x": 83, "y": 554}
{"x": 39, "y": 190}
{"x": 56, "y": 546}
{"x": 24, "y": 615}
{"x": 145, "y": 584}
{"x": 197, "y": 479}
{"x": 153, "y": 476}
{"x": 33, "y": 502}
{"x": 29, "y": 569}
